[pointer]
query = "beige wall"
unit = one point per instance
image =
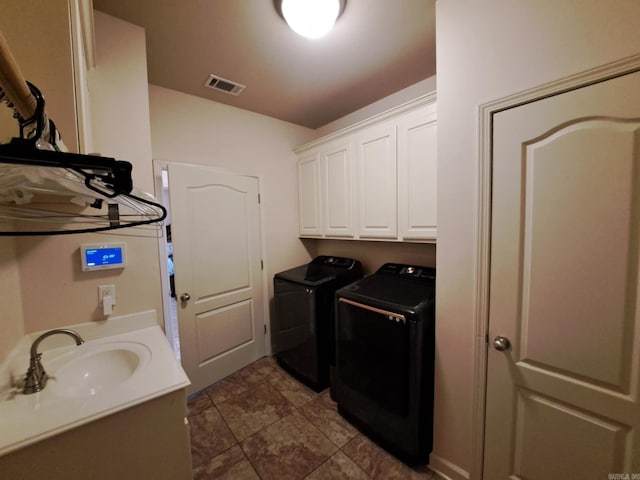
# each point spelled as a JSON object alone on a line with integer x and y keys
{"x": 46, "y": 272}
{"x": 373, "y": 255}
{"x": 10, "y": 298}
{"x": 119, "y": 97}
{"x": 188, "y": 129}
{"x": 39, "y": 37}
{"x": 56, "y": 292}
{"x": 485, "y": 51}
{"x": 120, "y": 125}
{"x": 423, "y": 87}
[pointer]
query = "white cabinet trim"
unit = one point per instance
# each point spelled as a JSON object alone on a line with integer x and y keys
{"x": 405, "y": 107}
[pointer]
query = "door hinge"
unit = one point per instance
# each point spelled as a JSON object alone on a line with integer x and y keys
{"x": 261, "y": 265}
{"x": 259, "y": 200}
{"x": 265, "y": 329}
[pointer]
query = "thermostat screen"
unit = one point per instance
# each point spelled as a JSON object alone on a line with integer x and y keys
{"x": 95, "y": 257}
{"x": 104, "y": 256}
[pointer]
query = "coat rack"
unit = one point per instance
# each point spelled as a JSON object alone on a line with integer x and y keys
{"x": 45, "y": 190}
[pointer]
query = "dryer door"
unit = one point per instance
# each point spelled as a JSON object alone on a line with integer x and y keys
{"x": 373, "y": 355}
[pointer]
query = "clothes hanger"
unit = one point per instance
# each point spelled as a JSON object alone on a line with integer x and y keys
{"x": 35, "y": 165}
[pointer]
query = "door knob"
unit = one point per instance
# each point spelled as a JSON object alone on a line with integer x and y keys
{"x": 502, "y": 344}
{"x": 185, "y": 297}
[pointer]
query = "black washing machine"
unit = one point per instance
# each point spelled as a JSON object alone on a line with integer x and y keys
{"x": 303, "y": 329}
{"x": 385, "y": 341}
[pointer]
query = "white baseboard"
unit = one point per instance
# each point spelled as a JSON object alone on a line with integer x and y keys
{"x": 446, "y": 470}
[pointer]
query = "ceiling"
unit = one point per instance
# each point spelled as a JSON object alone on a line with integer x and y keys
{"x": 376, "y": 48}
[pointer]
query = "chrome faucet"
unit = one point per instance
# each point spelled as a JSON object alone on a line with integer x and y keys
{"x": 36, "y": 377}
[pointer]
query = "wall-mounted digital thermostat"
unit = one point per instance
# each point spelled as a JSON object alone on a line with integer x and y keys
{"x": 102, "y": 256}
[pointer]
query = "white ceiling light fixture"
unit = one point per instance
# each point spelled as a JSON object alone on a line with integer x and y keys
{"x": 310, "y": 18}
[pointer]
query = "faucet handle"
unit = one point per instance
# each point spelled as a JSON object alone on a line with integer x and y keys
{"x": 36, "y": 378}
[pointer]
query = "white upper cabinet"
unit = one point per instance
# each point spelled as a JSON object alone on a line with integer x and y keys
{"x": 417, "y": 174}
{"x": 373, "y": 181}
{"x": 337, "y": 188}
{"x": 309, "y": 203}
{"x": 377, "y": 182}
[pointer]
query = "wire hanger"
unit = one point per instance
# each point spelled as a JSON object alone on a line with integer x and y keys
{"x": 99, "y": 190}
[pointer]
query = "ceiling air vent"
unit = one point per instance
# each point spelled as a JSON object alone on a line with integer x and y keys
{"x": 224, "y": 85}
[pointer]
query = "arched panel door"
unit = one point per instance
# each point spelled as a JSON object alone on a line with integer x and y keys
{"x": 564, "y": 331}
{"x": 216, "y": 248}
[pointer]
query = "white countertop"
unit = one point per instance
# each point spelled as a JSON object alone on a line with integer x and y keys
{"x": 26, "y": 419}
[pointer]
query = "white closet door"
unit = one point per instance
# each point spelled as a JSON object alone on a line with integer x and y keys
{"x": 563, "y": 400}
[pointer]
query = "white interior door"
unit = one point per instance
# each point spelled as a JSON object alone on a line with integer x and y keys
{"x": 562, "y": 401}
{"x": 216, "y": 248}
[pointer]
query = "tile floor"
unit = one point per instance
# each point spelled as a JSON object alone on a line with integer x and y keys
{"x": 260, "y": 423}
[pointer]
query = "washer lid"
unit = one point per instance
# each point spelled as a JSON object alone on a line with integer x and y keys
{"x": 393, "y": 291}
{"x": 322, "y": 269}
{"x": 303, "y": 277}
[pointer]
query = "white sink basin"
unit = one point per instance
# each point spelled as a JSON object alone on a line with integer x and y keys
{"x": 94, "y": 368}
{"x": 125, "y": 362}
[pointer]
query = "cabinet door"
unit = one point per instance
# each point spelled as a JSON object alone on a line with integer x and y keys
{"x": 377, "y": 182}
{"x": 417, "y": 174}
{"x": 309, "y": 204}
{"x": 337, "y": 176}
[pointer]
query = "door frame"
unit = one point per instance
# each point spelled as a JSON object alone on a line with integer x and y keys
{"x": 158, "y": 167}
{"x": 483, "y": 230}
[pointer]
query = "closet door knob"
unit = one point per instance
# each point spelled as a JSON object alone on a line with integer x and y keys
{"x": 185, "y": 297}
{"x": 502, "y": 344}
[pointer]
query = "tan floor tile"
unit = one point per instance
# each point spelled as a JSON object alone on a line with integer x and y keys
{"x": 209, "y": 436}
{"x": 264, "y": 369}
{"x": 294, "y": 391}
{"x": 254, "y": 410}
{"x": 323, "y": 413}
{"x": 289, "y": 449}
{"x": 379, "y": 464}
{"x": 231, "y": 464}
{"x": 228, "y": 387}
{"x": 338, "y": 467}
{"x": 198, "y": 403}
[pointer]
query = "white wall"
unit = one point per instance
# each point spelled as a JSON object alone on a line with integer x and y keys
{"x": 485, "y": 51}
{"x": 189, "y": 129}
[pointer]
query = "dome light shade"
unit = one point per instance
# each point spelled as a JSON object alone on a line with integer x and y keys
{"x": 311, "y": 18}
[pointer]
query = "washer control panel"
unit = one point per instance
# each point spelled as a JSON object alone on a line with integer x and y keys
{"x": 408, "y": 271}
